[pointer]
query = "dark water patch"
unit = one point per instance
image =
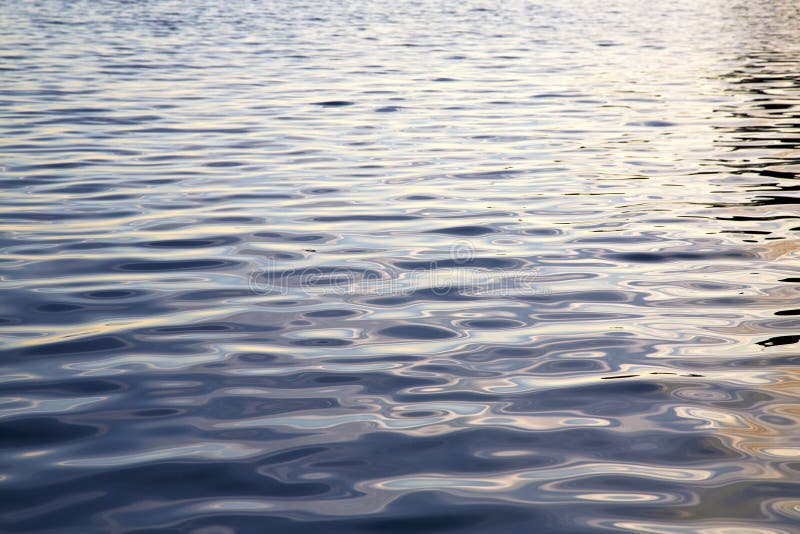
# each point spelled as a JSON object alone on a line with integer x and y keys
{"x": 489, "y": 175}
{"x": 334, "y": 103}
{"x": 569, "y": 366}
{"x": 298, "y": 238}
{"x": 93, "y": 344}
{"x": 323, "y": 190}
{"x": 451, "y": 370}
{"x": 54, "y": 216}
{"x": 204, "y": 328}
{"x": 235, "y": 219}
{"x": 464, "y": 230}
{"x": 175, "y": 265}
{"x": 111, "y": 294}
{"x": 191, "y": 243}
{"x": 417, "y": 331}
{"x": 331, "y": 313}
{"x": 112, "y": 197}
{"x": 492, "y": 324}
{"x": 365, "y": 218}
{"x": 779, "y": 340}
{"x": 64, "y": 388}
{"x": 217, "y": 164}
{"x": 659, "y": 257}
{"x": 375, "y": 383}
{"x": 652, "y": 124}
{"x": 81, "y": 188}
{"x": 253, "y": 196}
{"x": 58, "y": 307}
{"x": 190, "y": 130}
{"x": 42, "y": 432}
{"x": 231, "y": 408}
{"x": 322, "y": 342}
{"x": 543, "y": 231}
{"x": 616, "y": 377}
{"x": 216, "y": 295}
{"x": 420, "y": 197}
{"x": 557, "y": 95}
{"x": 467, "y": 262}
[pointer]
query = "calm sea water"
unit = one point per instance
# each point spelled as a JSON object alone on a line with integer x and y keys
{"x": 414, "y": 266}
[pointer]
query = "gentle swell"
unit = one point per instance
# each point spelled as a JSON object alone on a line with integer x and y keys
{"x": 399, "y": 266}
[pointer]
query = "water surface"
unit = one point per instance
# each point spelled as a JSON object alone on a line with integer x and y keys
{"x": 361, "y": 266}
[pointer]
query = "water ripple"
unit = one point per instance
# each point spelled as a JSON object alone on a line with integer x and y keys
{"x": 438, "y": 266}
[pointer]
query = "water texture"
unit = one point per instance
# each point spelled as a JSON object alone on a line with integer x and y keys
{"x": 414, "y": 266}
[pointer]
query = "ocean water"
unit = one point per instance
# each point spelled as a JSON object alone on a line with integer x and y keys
{"x": 414, "y": 266}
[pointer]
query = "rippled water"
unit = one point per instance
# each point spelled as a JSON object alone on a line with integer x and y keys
{"x": 421, "y": 266}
